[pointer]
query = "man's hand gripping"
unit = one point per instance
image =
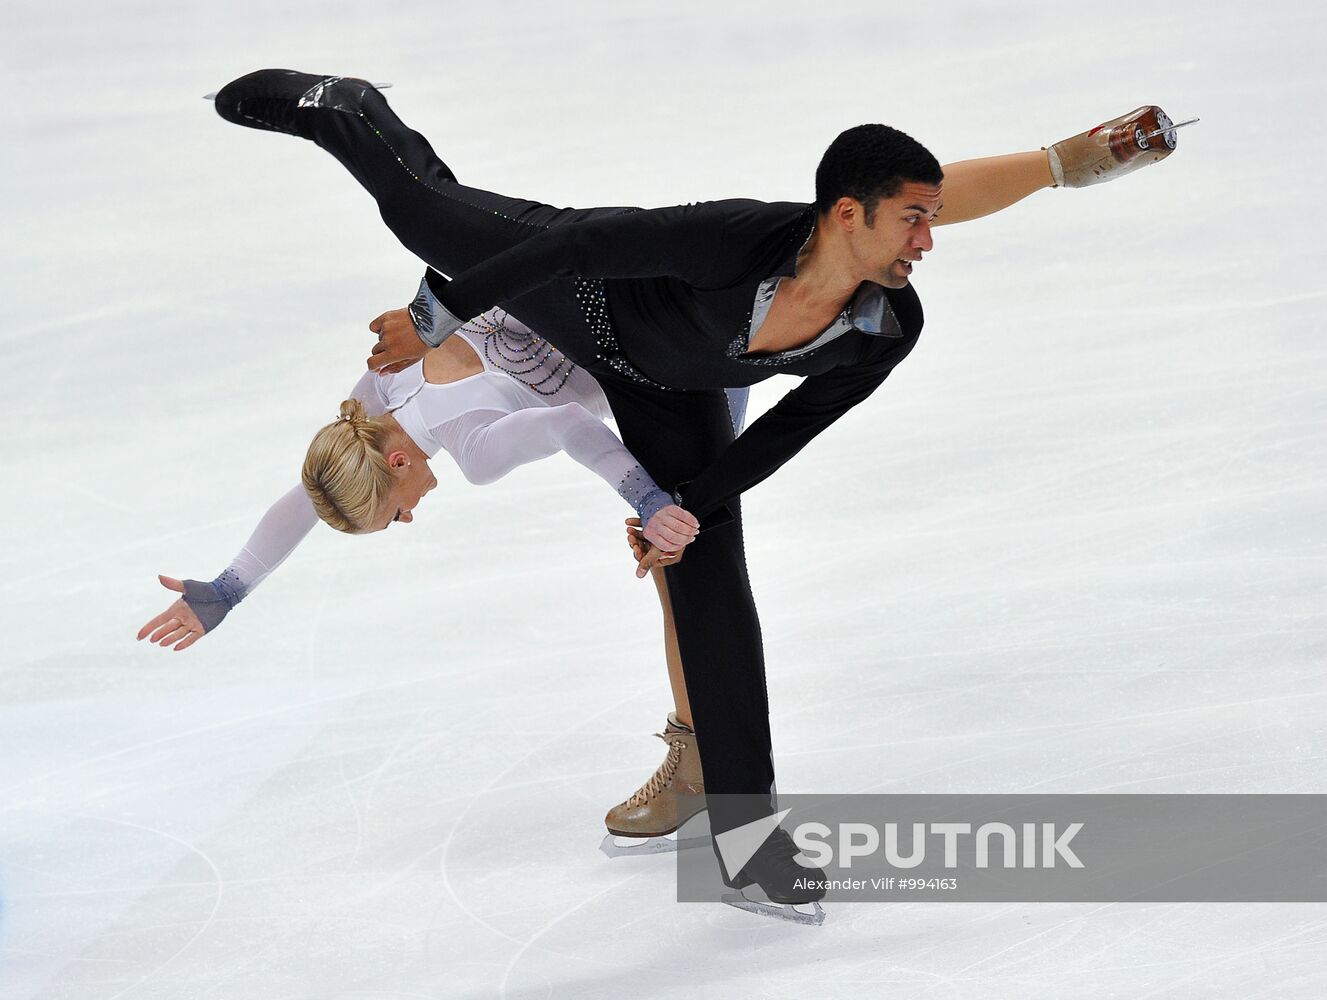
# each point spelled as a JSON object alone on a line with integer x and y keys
{"x": 398, "y": 345}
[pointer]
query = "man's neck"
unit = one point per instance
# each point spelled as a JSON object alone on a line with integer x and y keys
{"x": 824, "y": 270}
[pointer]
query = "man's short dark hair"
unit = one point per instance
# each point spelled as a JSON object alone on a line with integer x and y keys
{"x": 871, "y": 162}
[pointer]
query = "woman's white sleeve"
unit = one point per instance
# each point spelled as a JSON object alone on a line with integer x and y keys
{"x": 366, "y": 391}
{"x": 291, "y": 518}
{"x": 277, "y": 534}
{"x": 494, "y": 443}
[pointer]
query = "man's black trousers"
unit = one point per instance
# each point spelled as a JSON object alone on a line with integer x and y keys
{"x": 674, "y": 435}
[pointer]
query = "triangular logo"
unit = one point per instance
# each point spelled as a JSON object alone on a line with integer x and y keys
{"x": 736, "y": 846}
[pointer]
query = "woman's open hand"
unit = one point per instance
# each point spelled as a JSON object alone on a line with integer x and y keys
{"x": 177, "y": 625}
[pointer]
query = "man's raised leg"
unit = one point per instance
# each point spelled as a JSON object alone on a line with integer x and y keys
{"x": 449, "y": 226}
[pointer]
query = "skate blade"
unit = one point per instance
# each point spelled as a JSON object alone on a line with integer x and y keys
{"x": 377, "y": 86}
{"x": 1171, "y": 128}
{"x": 631, "y": 847}
{"x": 779, "y": 911}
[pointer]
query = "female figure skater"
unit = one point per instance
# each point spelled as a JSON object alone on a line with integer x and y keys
{"x": 494, "y": 398}
{"x": 499, "y": 398}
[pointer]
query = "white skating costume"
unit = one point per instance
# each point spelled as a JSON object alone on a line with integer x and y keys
{"x": 529, "y": 402}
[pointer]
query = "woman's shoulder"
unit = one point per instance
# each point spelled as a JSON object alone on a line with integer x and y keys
{"x": 394, "y": 390}
{"x": 487, "y": 391}
{"x": 436, "y": 403}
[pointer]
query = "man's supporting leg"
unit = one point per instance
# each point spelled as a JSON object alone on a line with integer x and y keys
{"x": 723, "y": 661}
{"x": 675, "y": 436}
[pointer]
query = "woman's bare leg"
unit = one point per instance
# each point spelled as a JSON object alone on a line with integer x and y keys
{"x": 973, "y": 188}
{"x": 676, "y": 790}
{"x": 671, "y": 652}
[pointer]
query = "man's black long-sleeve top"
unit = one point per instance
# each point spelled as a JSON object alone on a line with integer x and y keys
{"x": 681, "y": 283}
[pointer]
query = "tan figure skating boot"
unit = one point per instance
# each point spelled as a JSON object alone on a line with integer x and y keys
{"x": 1114, "y": 148}
{"x": 674, "y": 793}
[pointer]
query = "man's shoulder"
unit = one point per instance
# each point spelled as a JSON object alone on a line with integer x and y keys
{"x": 761, "y": 235}
{"x": 750, "y": 210}
{"x": 735, "y": 215}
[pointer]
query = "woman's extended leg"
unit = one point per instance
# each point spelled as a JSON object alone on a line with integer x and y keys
{"x": 974, "y": 188}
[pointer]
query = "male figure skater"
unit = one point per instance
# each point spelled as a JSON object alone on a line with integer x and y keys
{"x": 666, "y": 308}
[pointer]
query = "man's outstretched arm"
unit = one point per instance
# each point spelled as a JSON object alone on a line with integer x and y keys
{"x": 784, "y": 430}
{"x": 779, "y": 434}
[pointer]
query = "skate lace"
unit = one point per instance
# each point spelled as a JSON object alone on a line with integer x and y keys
{"x": 663, "y": 777}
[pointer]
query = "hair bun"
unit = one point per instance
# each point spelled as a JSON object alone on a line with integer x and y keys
{"x": 352, "y": 411}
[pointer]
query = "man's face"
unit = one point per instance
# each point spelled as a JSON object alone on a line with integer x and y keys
{"x": 899, "y": 235}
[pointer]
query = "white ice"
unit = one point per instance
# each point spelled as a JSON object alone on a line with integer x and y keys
{"x": 1075, "y": 543}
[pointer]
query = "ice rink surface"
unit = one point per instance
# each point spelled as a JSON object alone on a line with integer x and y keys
{"x": 1075, "y": 544}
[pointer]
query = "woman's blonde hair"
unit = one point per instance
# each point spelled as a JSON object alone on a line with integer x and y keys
{"x": 345, "y": 472}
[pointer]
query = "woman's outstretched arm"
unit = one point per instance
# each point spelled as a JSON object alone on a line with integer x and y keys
{"x": 203, "y": 604}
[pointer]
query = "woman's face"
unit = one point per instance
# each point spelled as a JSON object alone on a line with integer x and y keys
{"x": 411, "y": 480}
